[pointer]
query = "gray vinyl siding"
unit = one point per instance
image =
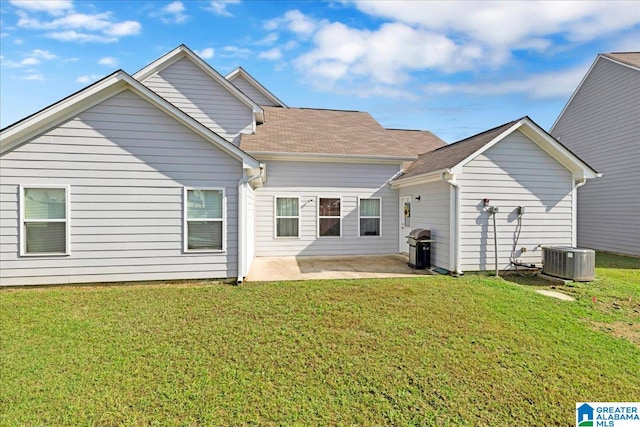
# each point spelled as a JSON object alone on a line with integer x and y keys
{"x": 189, "y": 88}
{"x": 126, "y": 164}
{"x": 253, "y": 93}
{"x": 432, "y": 213}
{"x": 514, "y": 172}
{"x": 602, "y": 126}
{"x": 309, "y": 181}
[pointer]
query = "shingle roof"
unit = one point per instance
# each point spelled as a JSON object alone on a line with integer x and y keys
{"x": 450, "y": 155}
{"x": 630, "y": 58}
{"x": 314, "y": 131}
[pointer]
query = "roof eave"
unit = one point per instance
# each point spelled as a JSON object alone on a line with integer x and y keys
{"x": 346, "y": 158}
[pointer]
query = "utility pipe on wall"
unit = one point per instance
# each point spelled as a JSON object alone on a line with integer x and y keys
{"x": 242, "y": 220}
{"x": 450, "y": 179}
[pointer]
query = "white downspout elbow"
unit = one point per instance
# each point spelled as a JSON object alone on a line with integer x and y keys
{"x": 450, "y": 179}
{"x": 242, "y": 218}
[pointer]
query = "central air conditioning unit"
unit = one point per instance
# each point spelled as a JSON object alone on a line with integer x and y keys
{"x": 569, "y": 263}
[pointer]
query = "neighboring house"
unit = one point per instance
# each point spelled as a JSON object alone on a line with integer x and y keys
{"x": 601, "y": 124}
{"x": 177, "y": 172}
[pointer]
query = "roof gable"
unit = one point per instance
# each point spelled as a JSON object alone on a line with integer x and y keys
{"x": 69, "y": 107}
{"x": 183, "y": 51}
{"x": 453, "y": 157}
{"x": 242, "y": 75}
{"x": 626, "y": 59}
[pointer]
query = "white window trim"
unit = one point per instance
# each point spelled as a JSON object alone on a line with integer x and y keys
{"x": 379, "y": 216}
{"x": 275, "y": 217}
{"x": 185, "y": 220}
{"x": 322, "y": 217}
{"x": 22, "y": 232}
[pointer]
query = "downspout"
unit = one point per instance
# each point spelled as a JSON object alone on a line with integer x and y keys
{"x": 242, "y": 220}
{"x": 451, "y": 180}
{"x": 574, "y": 211}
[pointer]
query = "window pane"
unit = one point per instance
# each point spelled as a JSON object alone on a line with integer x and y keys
{"x": 45, "y": 237}
{"x": 204, "y": 204}
{"x": 369, "y": 207}
{"x": 44, "y": 203}
{"x": 287, "y": 227}
{"x": 204, "y": 235}
{"x": 330, "y": 227}
{"x": 369, "y": 226}
{"x": 329, "y": 207}
{"x": 286, "y": 206}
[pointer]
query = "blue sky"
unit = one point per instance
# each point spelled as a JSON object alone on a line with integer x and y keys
{"x": 454, "y": 68}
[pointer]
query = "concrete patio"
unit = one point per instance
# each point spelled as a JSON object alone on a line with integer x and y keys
{"x": 323, "y": 267}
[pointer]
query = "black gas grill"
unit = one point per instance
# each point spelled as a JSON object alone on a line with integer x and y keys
{"x": 419, "y": 248}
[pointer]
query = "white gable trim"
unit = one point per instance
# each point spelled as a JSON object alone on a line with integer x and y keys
{"x": 184, "y": 52}
{"x": 545, "y": 141}
{"x": 584, "y": 79}
{"x": 241, "y": 72}
{"x": 117, "y": 82}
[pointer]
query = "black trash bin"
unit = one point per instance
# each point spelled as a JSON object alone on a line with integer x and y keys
{"x": 419, "y": 248}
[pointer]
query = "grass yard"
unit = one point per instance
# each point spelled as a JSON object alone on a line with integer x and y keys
{"x": 413, "y": 351}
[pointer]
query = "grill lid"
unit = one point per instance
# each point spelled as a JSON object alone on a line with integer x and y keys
{"x": 419, "y": 234}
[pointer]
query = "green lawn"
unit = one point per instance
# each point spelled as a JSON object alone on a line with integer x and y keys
{"x": 435, "y": 350}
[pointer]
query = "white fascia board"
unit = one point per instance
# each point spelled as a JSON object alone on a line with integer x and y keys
{"x": 61, "y": 111}
{"x": 256, "y": 84}
{"x": 184, "y": 52}
{"x": 419, "y": 179}
{"x": 333, "y": 158}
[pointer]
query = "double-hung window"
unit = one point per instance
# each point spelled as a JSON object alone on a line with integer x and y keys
{"x": 287, "y": 217}
{"x": 329, "y": 217}
{"x": 204, "y": 220}
{"x": 370, "y": 217}
{"x": 45, "y": 220}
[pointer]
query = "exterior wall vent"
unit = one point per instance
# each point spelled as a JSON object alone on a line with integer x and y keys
{"x": 569, "y": 263}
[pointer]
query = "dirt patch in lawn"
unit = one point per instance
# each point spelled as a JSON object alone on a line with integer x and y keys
{"x": 621, "y": 329}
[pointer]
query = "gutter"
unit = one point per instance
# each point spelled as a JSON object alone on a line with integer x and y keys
{"x": 454, "y": 218}
{"x": 242, "y": 220}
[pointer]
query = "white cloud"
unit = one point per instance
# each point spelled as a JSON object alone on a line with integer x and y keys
{"x": 219, "y": 7}
{"x": 555, "y": 84}
{"x": 33, "y": 77}
{"x": 295, "y": 21}
{"x": 74, "y": 36}
{"x": 44, "y": 54}
{"x": 206, "y": 53}
{"x": 53, "y": 7}
{"x": 172, "y": 13}
{"x": 385, "y": 55}
{"x": 74, "y": 26}
{"x": 269, "y": 39}
{"x": 234, "y": 51}
{"x": 108, "y": 61}
{"x": 510, "y": 24}
{"x": 30, "y": 61}
{"x": 88, "y": 79}
{"x": 271, "y": 54}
